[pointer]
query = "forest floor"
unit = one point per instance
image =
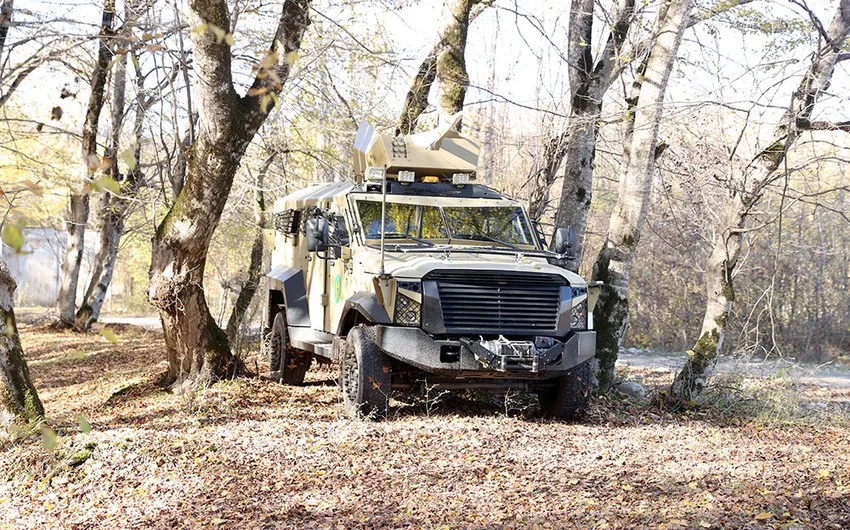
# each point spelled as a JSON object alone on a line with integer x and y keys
{"x": 124, "y": 453}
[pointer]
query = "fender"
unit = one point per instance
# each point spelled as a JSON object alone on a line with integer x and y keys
{"x": 290, "y": 281}
{"x": 361, "y": 306}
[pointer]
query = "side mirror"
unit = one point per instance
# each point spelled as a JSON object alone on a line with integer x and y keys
{"x": 563, "y": 240}
{"x": 317, "y": 234}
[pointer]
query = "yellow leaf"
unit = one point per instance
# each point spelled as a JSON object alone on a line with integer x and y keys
{"x": 48, "y": 437}
{"x": 85, "y": 426}
{"x": 12, "y": 237}
{"x": 764, "y": 516}
{"x": 32, "y": 187}
{"x": 107, "y": 183}
{"x": 291, "y": 57}
{"x": 109, "y": 335}
{"x": 128, "y": 156}
{"x": 229, "y": 39}
{"x": 823, "y": 473}
{"x": 218, "y": 32}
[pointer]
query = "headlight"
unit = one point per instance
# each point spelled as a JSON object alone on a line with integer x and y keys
{"x": 407, "y": 308}
{"x": 578, "y": 315}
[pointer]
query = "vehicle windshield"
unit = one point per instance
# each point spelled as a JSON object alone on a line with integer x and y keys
{"x": 501, "y": 226}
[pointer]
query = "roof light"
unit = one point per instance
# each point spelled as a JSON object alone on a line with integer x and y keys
{"x": 375, "y": 174}
{"x": 460, "y": 179}
{"x": 431, "y": 179}
{"x": 406, "y": 176}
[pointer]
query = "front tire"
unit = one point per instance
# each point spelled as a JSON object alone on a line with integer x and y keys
{"x": 570, "y": 397}
{"x": 364, "y": 375}
{"x": 286, "y": 364}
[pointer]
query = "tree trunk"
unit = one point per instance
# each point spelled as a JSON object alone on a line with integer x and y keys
{"x": 7, "y": 7}
{"x": 78, "y": 213}
{"x": 19, "y": 397}
{"x": 749, "y": 188}
{"x": 452, "y": 78}
{"x": 249, "y": 288}
{"x": 577, "y": 190}
{"x": 197, "y": 348}
{"x": 442, "y": 60}
{"x": 107, "y": 211}
{"x": 614, "y": 263}
{"x": 575, "y": 148}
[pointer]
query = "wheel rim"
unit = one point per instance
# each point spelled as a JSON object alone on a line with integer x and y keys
{"x": 350, "y": 383}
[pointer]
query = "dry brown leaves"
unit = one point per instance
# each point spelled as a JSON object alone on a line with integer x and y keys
{"x": 253, "y": 454}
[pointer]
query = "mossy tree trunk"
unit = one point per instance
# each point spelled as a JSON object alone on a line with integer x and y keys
{"x": 444, "y": 64}
{"x": 745, "y": 193}
{"x": 19, "y": 397}
{"x": 614, "y": 263}
{"x": 78, "y": 211}
{"x": 197, "y": 349}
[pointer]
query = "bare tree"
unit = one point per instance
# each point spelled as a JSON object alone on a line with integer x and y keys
{"x": 614, "y": 263}
{"x": 197, "y": 348}
{"x": 590, "y": 78}
{"x": 746, "y": 192}
{"x": 78, "y": 211}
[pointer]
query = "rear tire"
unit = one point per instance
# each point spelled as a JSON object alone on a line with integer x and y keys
{"x": 286, "y": 364}
{"x": 364, "y": 375}
{"x": 570, "y": 397}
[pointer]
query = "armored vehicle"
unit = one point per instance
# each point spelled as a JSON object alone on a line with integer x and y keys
{"x": 417, "y": 276}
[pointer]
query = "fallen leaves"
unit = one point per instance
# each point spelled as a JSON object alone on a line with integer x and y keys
{"x": 263, "y": 455}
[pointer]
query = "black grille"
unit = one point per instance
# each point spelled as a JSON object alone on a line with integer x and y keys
{"x": 498, "y": 301}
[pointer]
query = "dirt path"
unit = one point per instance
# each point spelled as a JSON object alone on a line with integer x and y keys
{"x": 828, "y": 375}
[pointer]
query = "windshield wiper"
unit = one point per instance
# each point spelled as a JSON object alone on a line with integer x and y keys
{"x": 399, "y": 235}
{"x": 485, "y": 237}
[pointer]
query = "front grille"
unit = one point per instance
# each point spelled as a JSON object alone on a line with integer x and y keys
{"x": 488, "y": 302}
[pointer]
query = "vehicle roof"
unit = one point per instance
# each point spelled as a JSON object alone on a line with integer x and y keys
{"x": 313, "y": 195}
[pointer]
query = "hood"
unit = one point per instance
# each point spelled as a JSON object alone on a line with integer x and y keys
{"x": 415, "y": 265}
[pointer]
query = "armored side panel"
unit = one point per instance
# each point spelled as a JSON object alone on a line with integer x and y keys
{"x": 290, "y": 281}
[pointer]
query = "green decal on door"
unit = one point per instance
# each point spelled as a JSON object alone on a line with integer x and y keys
{"x": 337, "y": 288}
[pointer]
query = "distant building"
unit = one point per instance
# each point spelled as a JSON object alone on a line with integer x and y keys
{"x": 38, "y": 268}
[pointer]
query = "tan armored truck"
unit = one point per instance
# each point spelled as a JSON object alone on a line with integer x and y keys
{"x": 418, "y": 276}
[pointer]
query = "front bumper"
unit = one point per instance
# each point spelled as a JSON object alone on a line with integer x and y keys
{"x": 490, "y": 359}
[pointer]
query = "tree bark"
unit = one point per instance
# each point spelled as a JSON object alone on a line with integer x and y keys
{"x": 748, "y": 190}
{"x": 115, "y": 217}
{"x": 614, "y": 263}
{"x": 197, "y": 349}
{"x": 588, "y": 84}
{"x": 19, "y": 397}
{"x": 450, "y": 42}
{"x": 575, "y": 148}
{"x": 249, "y": 288}
{"x": 108, "y": 203}
{"x": 7, "y": 7}
{"x": 78, "y": 212}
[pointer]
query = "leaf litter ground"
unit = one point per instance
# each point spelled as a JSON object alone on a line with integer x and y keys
{"x": 250, "y": 453}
